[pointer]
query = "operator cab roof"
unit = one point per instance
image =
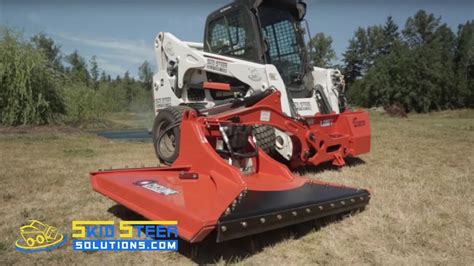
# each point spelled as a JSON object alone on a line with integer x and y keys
{"x": 296, "y": 7}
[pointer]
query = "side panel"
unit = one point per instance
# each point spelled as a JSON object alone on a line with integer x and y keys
{"x": 306, "y": 106}
{"x": 323, "y": 77}
{"x": 163, "y": 94}
{"x": 276, "y": 82}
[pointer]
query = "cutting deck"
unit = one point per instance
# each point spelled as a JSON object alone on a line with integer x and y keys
{"x": 223, "y": 181}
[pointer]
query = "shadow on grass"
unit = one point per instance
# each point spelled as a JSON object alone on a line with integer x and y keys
{"x": 125, "y": 214}
{"x": 208, "y": 251}
{"x": 328, "y": 166}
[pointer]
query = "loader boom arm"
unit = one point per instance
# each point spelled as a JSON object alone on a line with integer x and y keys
{"x": 180, "y": 59}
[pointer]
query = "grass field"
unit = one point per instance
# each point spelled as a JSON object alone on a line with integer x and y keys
{"x": 420, "y": 171}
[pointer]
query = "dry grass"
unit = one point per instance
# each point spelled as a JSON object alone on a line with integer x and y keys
{"x": 420, "y": 172}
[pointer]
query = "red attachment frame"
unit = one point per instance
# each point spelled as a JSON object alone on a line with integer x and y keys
{"x": 201, "y": 185}
{"x": 319, "y": 138}
{"x": 199, "y": 202}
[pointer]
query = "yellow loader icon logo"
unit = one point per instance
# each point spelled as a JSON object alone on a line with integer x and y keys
{"x": 38, "y": 236}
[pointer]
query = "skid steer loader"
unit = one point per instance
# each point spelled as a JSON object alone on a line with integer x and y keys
{"x": 212, "y": 98}
{"x": 250, "y": 46}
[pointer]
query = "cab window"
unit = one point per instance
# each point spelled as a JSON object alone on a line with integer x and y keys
{"x": 231, "y": 35}
{"x": 279, "y": 30}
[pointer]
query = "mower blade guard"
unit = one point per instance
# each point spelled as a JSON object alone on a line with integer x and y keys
{"x": 203, "y": 192}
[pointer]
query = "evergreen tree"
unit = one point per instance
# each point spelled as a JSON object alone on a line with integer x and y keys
{"x": 391, "y": 35}
{"x": 78, "y": 68}
{"x": 103, "y": 77}
{"x": 355, "y": 55}
{"x": 52, "y": 51}
{"x": 375, "y": 45}
{"x": 126, "y": 77}
{"x": 420, "y": 28}
{"x": 94, "y": 71}
{"x": 420, "y": 75}
{"x": 127, "y": 82}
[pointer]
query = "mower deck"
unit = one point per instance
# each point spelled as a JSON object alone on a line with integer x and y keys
{"x": 160, "y": 194}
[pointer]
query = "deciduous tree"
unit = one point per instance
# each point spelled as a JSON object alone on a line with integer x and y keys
{"x": 323, "y": 54}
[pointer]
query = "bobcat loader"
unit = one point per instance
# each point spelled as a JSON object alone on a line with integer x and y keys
{"x": 249, "y": 46}
{"x": 213, "y": 100}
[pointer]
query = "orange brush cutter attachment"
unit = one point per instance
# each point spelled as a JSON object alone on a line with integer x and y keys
{"x": 222, "y": 181}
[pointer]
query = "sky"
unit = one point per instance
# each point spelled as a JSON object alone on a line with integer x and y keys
{"x": 121, "y": 32}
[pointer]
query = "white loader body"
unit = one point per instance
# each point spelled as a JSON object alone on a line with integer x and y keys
{"x": 181, "y": 65}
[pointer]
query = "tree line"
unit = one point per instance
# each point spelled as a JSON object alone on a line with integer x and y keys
{"x": 39, "y": 84}
{"x": 423, "y": 67}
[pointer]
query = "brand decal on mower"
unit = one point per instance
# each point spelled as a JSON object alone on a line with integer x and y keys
{"x": 358, "y": 123}
{"x": 155, "y": 187}
{"x": 216, "y": 65}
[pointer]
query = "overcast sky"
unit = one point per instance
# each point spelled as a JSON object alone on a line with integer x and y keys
{"x": 121, "y": 32}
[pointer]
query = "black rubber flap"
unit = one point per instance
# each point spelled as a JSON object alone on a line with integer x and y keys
{"x": 259, "y": 211}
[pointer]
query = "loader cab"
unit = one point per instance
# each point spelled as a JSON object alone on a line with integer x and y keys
{"x": 233, "y": 32}
{"x": 264, "y": 32}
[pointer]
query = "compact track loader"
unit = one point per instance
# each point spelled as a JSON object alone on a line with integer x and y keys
{"x": 251, "y": 46}
{"x": 223, "y": 181}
